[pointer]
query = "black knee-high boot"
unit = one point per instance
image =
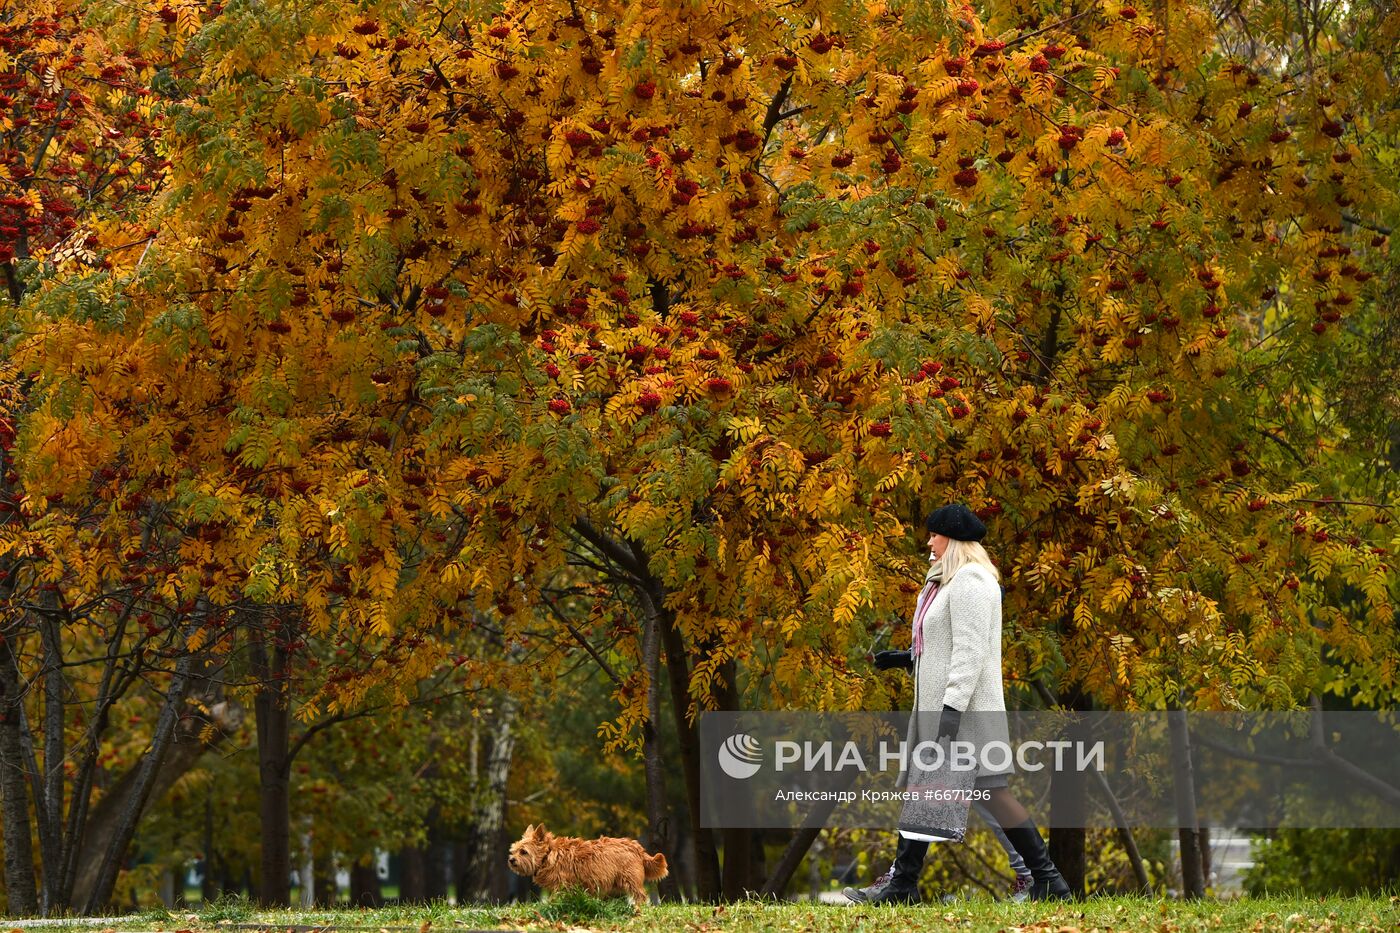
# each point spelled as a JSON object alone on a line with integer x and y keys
{"x": 1048, "y": 884}
{"x": 903, "y": 851}
{"x": 903, "y": 886}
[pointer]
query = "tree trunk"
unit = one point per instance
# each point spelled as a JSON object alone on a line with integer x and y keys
{"x": 493, "y": 831}
{"x": 758, "y": 860}
{"x": 173, "y": 751}
{"x": 1193, "y": 884}
{"x": 788, "y": 862}
{"x": 306, "y": 874}
{"x": 1068, "y": 808}
{"x": 1067, "y": 851}
{"x": 271, "y": 707}
{"x": 1125, "y": 833}
{"x": 48, "y": 795}
{"x": 20, "y": 890}
{"x": 250, "y": 884}
{"x": 208, "y": 890}
{"x": 791, "y": 858}
{"x": 632, "y": 558}
{"x": 104, "y": 826}
{"x": 413, "y": 879}
{"x": 707, "y": 877}
{"x": 1203, "y": 840}
{"x": 364, "y": 885}
{"x": 327, "y": 893}
{"x": 802, "y": 840}
{"x": 439, "y": 859}
{"x": 116, "y": 679}
{"x": 1069, "y": 805}
{"x": 658, "y": 816}
{"x": 736, "y": 869}
{"x": 1202, "y": 832}
{"x": 484, "y": 874}
{"x": 466, "y": 886}
{"x": 143, "y": 780}
{"x": 684, "y": 865}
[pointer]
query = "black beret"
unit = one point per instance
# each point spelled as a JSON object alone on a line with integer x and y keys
{"x": 957, "y": 522}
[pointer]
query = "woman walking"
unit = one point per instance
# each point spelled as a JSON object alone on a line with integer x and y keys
{"x": 955, "y": 658}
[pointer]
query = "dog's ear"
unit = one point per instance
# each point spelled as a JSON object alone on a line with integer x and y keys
{"x": 534, "y": 831}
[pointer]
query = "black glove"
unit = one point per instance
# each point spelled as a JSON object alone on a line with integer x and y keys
{"x": 889, "y": 660}
{"x": 948, "y": 724}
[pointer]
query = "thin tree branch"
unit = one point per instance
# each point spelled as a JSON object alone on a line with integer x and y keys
{"x": 587, "y": 646}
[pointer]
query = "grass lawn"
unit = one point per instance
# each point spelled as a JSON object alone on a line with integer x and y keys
{"x": 574, "y": 912}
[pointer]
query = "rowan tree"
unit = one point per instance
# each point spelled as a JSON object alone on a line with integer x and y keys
{"x": 453, "y": 310}
{"x": 78, "y": 157}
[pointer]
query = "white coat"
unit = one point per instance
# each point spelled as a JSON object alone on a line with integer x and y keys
{"x": 960, "y": 665}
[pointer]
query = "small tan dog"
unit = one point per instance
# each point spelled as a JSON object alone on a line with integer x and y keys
{"x": 602, "y": 867}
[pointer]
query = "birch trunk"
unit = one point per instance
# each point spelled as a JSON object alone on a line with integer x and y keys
{"x": 485, "y": 876}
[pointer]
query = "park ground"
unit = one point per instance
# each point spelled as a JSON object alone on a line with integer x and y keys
{"x": 568, "y": 913}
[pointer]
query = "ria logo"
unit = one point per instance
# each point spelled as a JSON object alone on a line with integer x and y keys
{"x": 740, "y": 756}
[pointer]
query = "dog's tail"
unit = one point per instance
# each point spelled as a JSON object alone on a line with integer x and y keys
{"x": 654, "y": 866}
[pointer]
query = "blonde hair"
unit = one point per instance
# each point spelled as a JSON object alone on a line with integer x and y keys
{"x": 958, "y": 553}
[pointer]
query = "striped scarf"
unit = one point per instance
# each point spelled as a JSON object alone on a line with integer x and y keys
{"x": 932, "y": 580}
